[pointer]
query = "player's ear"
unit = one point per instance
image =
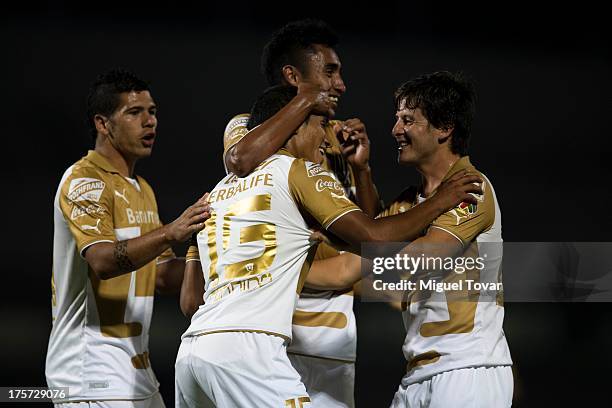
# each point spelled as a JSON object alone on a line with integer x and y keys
{"x": 444, "y": 134}
{"x": 101, "y": 123}
{"x": 291, "y": 75}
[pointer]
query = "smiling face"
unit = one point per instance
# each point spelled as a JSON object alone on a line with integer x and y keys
{"x": 131, "y": 127}
{"x": 418, "y": 141}
{"x": 308, "y": 141}
{"x": 323, "y": 68}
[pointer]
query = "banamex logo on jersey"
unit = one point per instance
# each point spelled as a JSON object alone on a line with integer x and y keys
{"x": 85, "y": 189}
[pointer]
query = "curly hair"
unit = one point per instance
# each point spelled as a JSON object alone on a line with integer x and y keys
{"x": 291, "y": 45}
{"x": 447, "y": 100}
{"x": 103, "y": 97}
{"x": 269, "y": 102}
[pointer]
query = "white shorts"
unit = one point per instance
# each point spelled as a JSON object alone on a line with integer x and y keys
{"x": 480, "y": 387}
{"x": 330, "y": 383}
{"x": 155, "y": 401}
{"x": 237, "y": 369}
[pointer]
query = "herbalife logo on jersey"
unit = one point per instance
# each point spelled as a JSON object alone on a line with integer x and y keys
{"x": 85, "y": 189}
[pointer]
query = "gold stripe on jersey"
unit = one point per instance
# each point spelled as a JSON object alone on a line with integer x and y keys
{"x": 210, "y": 225}
{"x": 141, "y": 361}
{"x": 420, "y": 360}
{"x": 296, "y": 402}
{"x": 112, "y": 296}
{"x": 245, "y": 331}
{"x": 335, "y": 320}
{"x": 257, "y": 232}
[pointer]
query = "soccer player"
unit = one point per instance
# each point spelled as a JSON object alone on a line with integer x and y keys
{"x": 110, "y": 254}
{"x": 455, "y": 346}
{"x": 302, "y": 54}
{"x": 255, "y": 253}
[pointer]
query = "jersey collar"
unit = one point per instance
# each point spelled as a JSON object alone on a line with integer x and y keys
{"x": 100, "y": 161}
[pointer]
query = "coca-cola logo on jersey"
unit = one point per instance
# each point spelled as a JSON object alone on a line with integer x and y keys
{"x": 330, "y": 184}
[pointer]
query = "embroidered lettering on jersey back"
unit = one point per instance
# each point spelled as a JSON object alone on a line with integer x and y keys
{"x": 241, "y": 185}
{"x": 85, "y": 189}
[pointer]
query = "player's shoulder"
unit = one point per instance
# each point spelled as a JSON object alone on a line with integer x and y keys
{"x": 144, "y": 184}
{"x": 303, "y": 168}
{"x": 84, "y": 175}
{"x": 464, "y": 163}
{"x": 402, "y": 203}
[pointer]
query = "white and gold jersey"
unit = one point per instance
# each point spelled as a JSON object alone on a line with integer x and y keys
{"x": 324, "y": 321}
{"x": 443, "y": 334}
{"x": 255, "y": 246}
{"x": 99, "y": 341}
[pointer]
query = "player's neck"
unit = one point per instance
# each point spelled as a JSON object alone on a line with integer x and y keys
{"x": 124, "y": 166}
{"x": 433, "y": 171}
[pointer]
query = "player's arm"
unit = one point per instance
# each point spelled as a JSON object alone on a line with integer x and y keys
{"x": 265, "y": 140}
{"x": 192, "y": 289}
{"x": 111, "y": 259}
{"x": 356, "y": 149}
{"x": 347, "y": 271}
{"x": 356, "y": 227}
{"x": 169, "y": 276}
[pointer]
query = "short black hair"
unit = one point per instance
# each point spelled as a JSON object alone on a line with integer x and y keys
{"x": 103, "y": 97}
{"x": 291, "y": 44}
{"x": 446, "y": 100}
{"x": 269, "y": 102}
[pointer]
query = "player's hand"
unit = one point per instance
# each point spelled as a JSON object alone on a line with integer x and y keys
{"x": 355, "y": 143}
{"x": 322, "y": 102}
{"x": 323, "y": 237}
{"x": 189, "y": 222}
{"x": 460, "y": 188}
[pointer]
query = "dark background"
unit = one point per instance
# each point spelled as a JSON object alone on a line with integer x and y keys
{"x": 541, "y": 135}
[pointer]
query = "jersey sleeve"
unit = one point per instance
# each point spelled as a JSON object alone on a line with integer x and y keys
{"x": 466, "y": 221}
{"x": 325, "y": 251}
{"x": 405, "y": 201}
{"x": 86, "y": 202}
{"x": 166, "y": 256}
{"x": 318, "y": 192}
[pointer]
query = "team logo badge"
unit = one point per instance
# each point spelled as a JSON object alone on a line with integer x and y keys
{"x": 464, "y": 210}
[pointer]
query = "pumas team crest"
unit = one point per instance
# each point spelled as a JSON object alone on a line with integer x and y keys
{"x": 464, "y": 210}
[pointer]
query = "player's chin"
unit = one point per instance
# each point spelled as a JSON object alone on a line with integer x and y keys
{"x": 404, "y": 158}
{"x": 144, "y": 151}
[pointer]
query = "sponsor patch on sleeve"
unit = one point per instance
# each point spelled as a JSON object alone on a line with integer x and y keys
{"x": 85, "y": 189}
